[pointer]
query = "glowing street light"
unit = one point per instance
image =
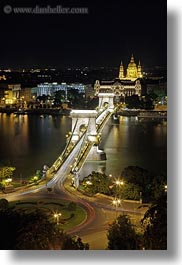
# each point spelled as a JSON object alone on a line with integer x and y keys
{"x": 116, "y": 202}
{"x": 57, "y": 216}
{"x": 165, "y": 187}
{"x": 119, "y": 182}
{"x": 88, "y": 182}
{"x": 8, "y": 181}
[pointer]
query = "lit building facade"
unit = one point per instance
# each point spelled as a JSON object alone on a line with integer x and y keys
{"x": 11, "y": 93}
{"x": 127, "y": 84}
{"x": 49, "y": 89}
{"x": 2, "y": 77}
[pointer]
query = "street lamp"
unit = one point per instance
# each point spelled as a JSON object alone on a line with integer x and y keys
{"x": 165, "y": 187}
{"x": 56, "y": 216}
{"x": 8, "y": 181}
{"x": 88, "y": 182}
{"x": 118, "y": 184}
{"x": 116, "y": 202}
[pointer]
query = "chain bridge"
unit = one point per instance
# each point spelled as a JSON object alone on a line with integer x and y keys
{"x": 83, "y": 141}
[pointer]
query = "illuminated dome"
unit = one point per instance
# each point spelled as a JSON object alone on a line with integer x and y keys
{"x": 132, "y": 69}
{"x": 132, "y": 62}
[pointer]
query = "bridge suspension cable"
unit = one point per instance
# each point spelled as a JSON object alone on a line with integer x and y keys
{"x": 81, "y": 153}
{"x": 57, "y": 164}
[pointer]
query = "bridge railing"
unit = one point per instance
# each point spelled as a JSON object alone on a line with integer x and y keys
{"x": 82, "y": 149}
{"x": 66, "y": 152}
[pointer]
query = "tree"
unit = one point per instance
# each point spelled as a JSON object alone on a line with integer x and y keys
{"x": 59, "y": 97}
{"x": 153, "y": 96}
{"x": 97, "y": 182}
{"x": 4, "y": 203}
{"x": 2, "y": 186}
{"x": 38, "y": 173}
{"x": 121, "y": 235}
{"x": 141, "y": 178}
{"x": 158, "y": 186}
{"x": 6, "y": 172}
{"x": 148, "y": 102}
{"x": 127, "y": 191}
{"x": 32, "y": 231}
{"x": 76, "y": 244}
{"x": 132, "y": 102}
{"x": 155, "y": 225}
{"x": 92, "y": 103}
{"x": 42, "y": 98}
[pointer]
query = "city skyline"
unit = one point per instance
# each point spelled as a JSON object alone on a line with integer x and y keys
{"x": 104, "y": 36}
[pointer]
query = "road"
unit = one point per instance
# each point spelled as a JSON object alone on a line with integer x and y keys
{"x": 99, "y": 212}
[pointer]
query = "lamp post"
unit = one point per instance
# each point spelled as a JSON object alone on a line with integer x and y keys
{"x": 116, "y": 202}
{"x": 56, "y": 216}
{"x": 119, "y": 183}
{"x": 8, "y": 181}
{"x": 140, "y": 198}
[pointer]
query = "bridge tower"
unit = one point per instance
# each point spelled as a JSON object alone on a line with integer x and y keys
{"x": 106, "y": 99}
{"x": 83, "y": 120}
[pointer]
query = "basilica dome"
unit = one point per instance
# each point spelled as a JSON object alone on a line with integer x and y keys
{"x": 132, "y": 69}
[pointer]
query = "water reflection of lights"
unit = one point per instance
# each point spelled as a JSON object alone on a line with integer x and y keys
{"x": 123, "y": 118}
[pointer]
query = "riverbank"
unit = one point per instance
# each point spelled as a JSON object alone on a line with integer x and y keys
{"x": 144, "y": 113}
{"x": 36, "y": 111}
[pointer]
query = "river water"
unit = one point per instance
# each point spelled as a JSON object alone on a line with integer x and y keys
{"x": 29, "y": 142}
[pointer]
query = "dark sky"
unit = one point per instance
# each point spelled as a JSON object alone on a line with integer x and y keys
{"x": 108, "y": 34}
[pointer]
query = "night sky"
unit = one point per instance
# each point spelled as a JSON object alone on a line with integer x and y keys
{"x": 109, "y": 33}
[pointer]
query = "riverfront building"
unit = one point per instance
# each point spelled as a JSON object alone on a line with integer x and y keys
{"x": 10, "y": 93}
{"x": 126, "y": 84}
{"x": 49, "y": 89}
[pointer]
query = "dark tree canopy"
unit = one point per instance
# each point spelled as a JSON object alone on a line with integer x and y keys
{"x": 127, "y": 191}
{"x": 98, "y": 183}
{"x": 121, "y": 235}
{"x": 33, "y": 231}
{"x": 141, "y": 178}
{"x": 4, "y": 203}
{"x": 132, "y": 102}
{"x": 155, "y": 225}
{"x": 158, "y": 186}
